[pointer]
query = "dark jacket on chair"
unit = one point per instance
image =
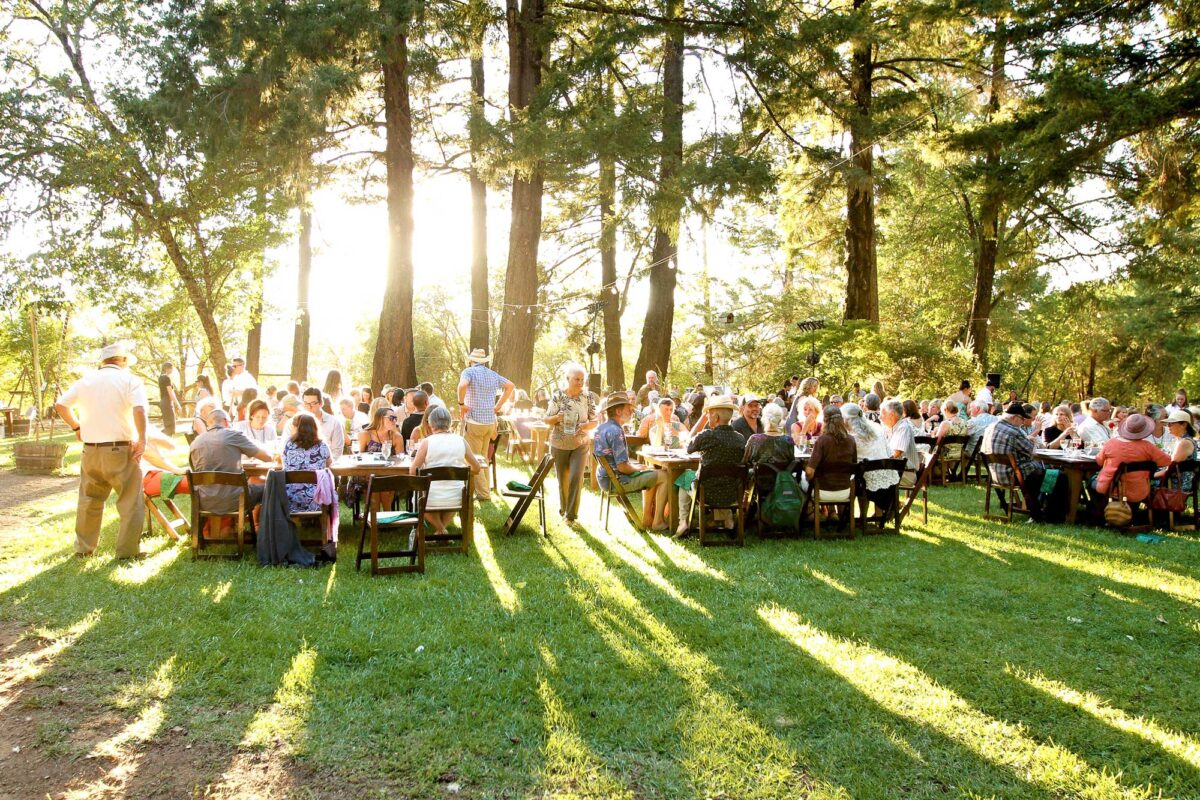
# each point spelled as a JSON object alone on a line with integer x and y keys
{"x": 277, "y": 540}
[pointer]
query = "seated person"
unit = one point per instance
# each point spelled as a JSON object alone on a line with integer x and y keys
{"x": 1133, "y": 442}
{"x": 1009, "y": 435}
{"x": 662, "y": 427}
{"x": 159, "y": 475}
{"x": 835, "y": 445}
{"x": 1092, "y": 428}
{"x": 871, "y": 444}
{"x": 287, "y": 409}
{"x": 354, "y": 421}
{"x": 204, "y": 408}
{"x": 305, "y": 450}
{"x": 441, "y": 448}
{"x": 257, "y": 425}
{"x": 718, "y": 445}
{"x": 952, "y": 424}
{"x": 610, "y": 446}
{"x": 220, "y": 449}
{"x": 902, "y": 441}
{"x": 1062, "y": 431}
{"x": 772, "y": 446}
{"x": 1180, "y": 425}
{"x": 749, "y": 423}
{"x": 412, "y": 428}
{"x": 808, "y": 427}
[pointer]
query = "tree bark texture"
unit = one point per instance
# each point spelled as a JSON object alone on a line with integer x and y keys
{"x": 479, "y": 256}
{"x": 254, "y": 335}
{"x": 303, "y": 321}
{"x": 610, "y": 296}
{"x": 862, "y": 277}
{"x": 660, "y": 313}
{"x": 987, "y": 230}
{"x": 518, "y": 324}
{"x": 395, "y": 360}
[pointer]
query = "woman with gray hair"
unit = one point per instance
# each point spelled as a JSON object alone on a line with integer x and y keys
{"x": 572, "y": 413}
{"x": 872, "y": 445}
{"x": 441, "y": 448}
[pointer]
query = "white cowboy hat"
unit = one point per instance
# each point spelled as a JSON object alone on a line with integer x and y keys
{"x": 117, "y": 350}
{"x": 479, "y": 356}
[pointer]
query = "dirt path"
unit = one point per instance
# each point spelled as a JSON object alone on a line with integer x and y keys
{"x": 18, "y": 491}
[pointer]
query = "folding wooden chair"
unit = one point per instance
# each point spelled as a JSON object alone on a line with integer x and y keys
{"x": 303, "y": 519}
{"x": 877, "y": 522}
{"x": 175, "y": 526}
{"x": 376, "y": 522}
{"x": 536, "y": 494}
{"x": 955, "y": 469}
{"x": 737, "y": 472}
{"x": 1177, "y": 470}
{"x": 1008, "y": 490}
{"x": 920, "y": 487}
{"x": 244, "y": 522}
{"x": 826, "y": 470}
{"x": 973, "y": 468}
{"x": 617, "y": 491}
{"x": 1116, "y": 491}
{"x": 453, "y": 542}
{"x": 493, "y": 449}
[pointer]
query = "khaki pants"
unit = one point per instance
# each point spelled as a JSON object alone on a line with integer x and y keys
{"x": 479, "y": 435}
{"x": 105, "y": 470}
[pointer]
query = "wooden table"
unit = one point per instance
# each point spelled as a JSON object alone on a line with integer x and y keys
{"x": 1075, "y": 468}
{"x": 346, "y": 466}
{"x": 10, "y": 415}
{"x": 675, "y": 463}
{"x": 538, "y": 431}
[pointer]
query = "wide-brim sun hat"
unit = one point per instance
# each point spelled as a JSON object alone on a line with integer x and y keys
{"x": 1135, "y": 427}
{"x": 720, "y": 401}
{"x": 479, "y": 356}
{"x": 117, "y": 350}
{"x": 616, "y": 400}
{"x": 1179, "y": 416}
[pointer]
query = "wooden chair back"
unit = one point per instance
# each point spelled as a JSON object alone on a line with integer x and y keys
{"x": 958, "y": 465}
{"x": 1014, "y": 487}
{"x": 244, "y": 524}
{"x": 307, "y": 477}
{"x": 1116, "y": 488}
{"x": 920, "y": 487}
{"x": 414, "y": 551}
{"x": 1177, "y": 471}
{"x": 526, "y": 499}
{"x": 453, "y": 542}
{"x": 877, "y": 522}
{"x": 740, "y": 473}
{"x": 823, "y": 473}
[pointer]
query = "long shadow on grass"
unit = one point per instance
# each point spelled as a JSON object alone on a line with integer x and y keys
{"x": 903, "y": 667}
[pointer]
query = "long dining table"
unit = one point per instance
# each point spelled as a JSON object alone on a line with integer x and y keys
{"x": 675, "y": 462}
{"x": 1076, "y": 468}
{"x": 343, "y": 466}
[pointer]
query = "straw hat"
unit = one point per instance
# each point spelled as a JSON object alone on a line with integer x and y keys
{"x": 117, "y": 350}
{"x": 479, "y": 356}
{"x": 720, "y": 401}
{"x": 1180, "y": 416}
{"x": 1136, "y": 426}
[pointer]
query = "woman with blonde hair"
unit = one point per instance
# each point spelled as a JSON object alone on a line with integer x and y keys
{"x": 809, "y": 427}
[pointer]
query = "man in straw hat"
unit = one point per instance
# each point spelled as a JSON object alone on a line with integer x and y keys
{"x": 111, "y": 423}
{"x": 719, "y": 445}
{"x": 611, "y": 446}
{"x": 477, "y": 388}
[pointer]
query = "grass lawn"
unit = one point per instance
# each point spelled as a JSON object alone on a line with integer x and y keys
{"x": 959, "y": 659}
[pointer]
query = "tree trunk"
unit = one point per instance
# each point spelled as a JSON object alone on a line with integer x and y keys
{"x": 518, "y": 324}
{"x": 862, "y": 279}
{"x": 303, "y": 320}
{"x": 479, "y": 257}
{"x": 197, "y": 295}
{"x": 35, "y": 380}
{"x": 660, "y": 313}
{"x": 709, "y": 368}
{"x": 610, "y": 296}
{"x": 395, "y": 360}
{"x": 254, "y": 336}
{"x": 1091, "y": 377}
{"x": 988, "y": 228}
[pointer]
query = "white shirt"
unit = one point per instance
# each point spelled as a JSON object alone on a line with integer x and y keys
{"x": 434, "y": 400}
{"x": 358, "y": 422}
{"x": 264, "y": 438}
{"x": 333, "y": 433}
{"x": 232, "y": 388}
{"x": 984, "y": 395}
{"x": 1092, "y": 433}
{"x": 104, "y": 401}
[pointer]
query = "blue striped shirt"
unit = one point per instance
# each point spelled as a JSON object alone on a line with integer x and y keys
{"x": 482, "y": 385}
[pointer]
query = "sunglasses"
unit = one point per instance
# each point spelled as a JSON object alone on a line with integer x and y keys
{"x": 390, "y": 418}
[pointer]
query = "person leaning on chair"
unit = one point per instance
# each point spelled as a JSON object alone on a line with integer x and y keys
{"x": 112, "y": 426}
{"x": 477, "y": 387}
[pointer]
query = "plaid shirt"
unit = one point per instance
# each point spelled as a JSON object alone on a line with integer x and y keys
{"x": 1004, "y": 437}
{"x": 482, "y": 385}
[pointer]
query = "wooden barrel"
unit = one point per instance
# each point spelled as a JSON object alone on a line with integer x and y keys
{"x": 20, "y": 427}
{"x": 39, "y": 456}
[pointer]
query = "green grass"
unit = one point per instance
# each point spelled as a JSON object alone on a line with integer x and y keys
{"x": 960, "y": 659}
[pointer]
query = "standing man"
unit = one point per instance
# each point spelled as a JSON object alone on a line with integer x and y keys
{"x": 477, "y": 387}
{"x": 112, "y": 426}
{"x": 651, "y": 385}
{"x": 985, "y": 395}
{"x": 168, "y": 401}
{"x": 239, "y": 381}
{"x": 331, "y": 429}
